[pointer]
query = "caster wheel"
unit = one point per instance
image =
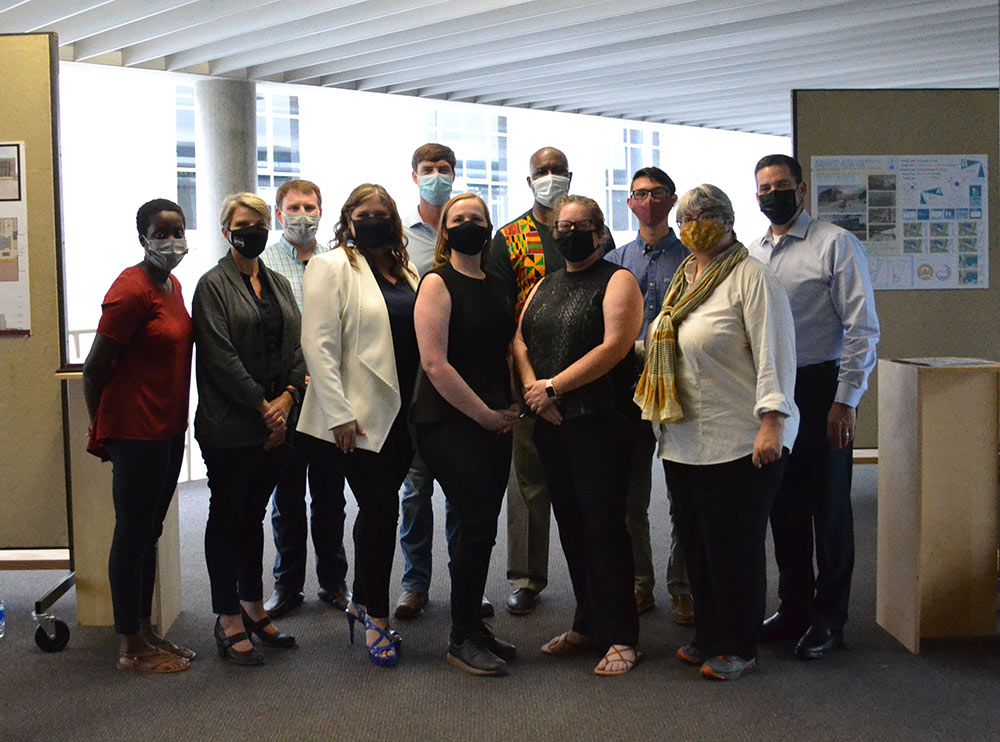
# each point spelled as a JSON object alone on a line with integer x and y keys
{"x": 55, "y": 643}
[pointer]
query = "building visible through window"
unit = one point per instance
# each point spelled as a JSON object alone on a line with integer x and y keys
{"x": 633, "y": 150}
{"x": 278, "y": 158}
{"x": 186, "y": 155}
{"x": 480, "y": 144}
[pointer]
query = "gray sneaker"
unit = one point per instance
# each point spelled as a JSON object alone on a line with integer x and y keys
{"x": 727, "y": 667}
{"x": 690, "y": 654}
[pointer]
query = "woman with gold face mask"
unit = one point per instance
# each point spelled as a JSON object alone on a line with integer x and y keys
{"x": 720, "y": 381}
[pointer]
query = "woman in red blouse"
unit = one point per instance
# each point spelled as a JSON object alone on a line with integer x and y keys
{"x": 136, "y": 381}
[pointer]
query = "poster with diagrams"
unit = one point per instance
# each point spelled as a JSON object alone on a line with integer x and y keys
{"x": 15, "y": 298}
{"x": 923, "y": 218}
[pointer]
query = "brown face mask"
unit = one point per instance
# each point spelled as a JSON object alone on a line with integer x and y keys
{"x": 649, "y": 211}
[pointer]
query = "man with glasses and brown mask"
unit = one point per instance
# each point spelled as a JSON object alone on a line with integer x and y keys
{"x": 652, "y": 257}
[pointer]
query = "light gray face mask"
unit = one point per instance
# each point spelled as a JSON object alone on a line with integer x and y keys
{"x": 300, "y": 228}
{"x": 166, "y": 254}
{"x": 550, "y": 188}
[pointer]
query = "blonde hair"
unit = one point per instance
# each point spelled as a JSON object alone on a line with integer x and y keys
{"x": 442, "y": 253}
{"x": 248, "y": 200}
{"x": 596, "y": 215}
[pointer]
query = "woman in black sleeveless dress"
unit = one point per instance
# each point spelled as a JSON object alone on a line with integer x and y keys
{"x": 572, "y": 354}
{"x": 463, "y": 414}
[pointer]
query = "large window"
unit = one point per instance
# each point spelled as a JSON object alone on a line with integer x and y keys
{"x": 186, "y": 155}
{"x": 278, "y": 158}
{"x": 632, "y": 150}
{"x": 480, "y": 144}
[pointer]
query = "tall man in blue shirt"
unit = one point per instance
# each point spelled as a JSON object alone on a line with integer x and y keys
{"x": 824, "y": 269}
{"x": 652, "y": 257}
{"x": 299, "y": 208}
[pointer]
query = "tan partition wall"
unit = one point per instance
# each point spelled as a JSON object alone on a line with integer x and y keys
{"x": 915, "y": 323}
{"x": 32, "y": 462}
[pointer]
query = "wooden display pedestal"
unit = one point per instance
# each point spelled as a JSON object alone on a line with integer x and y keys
{"x": 94, "y": 524}
{"x": 937, "y": 500}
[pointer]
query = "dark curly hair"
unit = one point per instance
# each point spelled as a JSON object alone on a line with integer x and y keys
{"x": 146, "y": 211}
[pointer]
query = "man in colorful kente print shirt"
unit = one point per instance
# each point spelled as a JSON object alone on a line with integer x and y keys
{"x": 522, "y": 252}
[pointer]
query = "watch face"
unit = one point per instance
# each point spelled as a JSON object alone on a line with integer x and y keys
{"x": 550, "y": 390}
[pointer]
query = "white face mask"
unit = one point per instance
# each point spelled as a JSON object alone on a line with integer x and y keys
{"x": 300, "y": 228}
{"x": 166, "y": 254}
{"x": 550, "y": 188}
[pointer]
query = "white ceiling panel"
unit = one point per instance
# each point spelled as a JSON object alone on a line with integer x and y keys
{"x": 727, "y": 64}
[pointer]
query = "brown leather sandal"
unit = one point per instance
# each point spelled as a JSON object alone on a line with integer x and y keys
{"x": 560, "y": 645}
{"x": 155, "y": 663}
{"x": 615, "y": 653}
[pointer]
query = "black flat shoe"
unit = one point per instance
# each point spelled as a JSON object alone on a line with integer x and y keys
{"x": 225, "y": 646}
{"x": 502, "y": 649}
{"x": 474, "y": 656}
{"x": 522, "y": 601}
{"x": 266, "y": 638}
{"x": 818, "y": 642}
{"x": 782, "y": 627}
{"x": 282, "y": 602}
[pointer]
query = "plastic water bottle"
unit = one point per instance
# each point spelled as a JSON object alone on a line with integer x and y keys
{"x": 3, "y": 619}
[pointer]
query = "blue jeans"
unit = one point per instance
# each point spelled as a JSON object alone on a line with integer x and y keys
{"x": 416, "y": 530}
{"x": 289, "y": 525}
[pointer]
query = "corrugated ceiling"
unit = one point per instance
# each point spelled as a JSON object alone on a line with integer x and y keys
{"x": 718, "y": 63}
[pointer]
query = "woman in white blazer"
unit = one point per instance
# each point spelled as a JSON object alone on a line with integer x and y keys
{"x": 361, "y": 351}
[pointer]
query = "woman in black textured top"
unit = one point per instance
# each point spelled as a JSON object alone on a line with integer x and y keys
{"x": 464, "y": 417}
{"x": 572, "y": 353}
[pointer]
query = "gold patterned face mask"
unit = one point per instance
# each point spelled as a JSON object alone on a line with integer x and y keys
{"x": 701, "y": 235}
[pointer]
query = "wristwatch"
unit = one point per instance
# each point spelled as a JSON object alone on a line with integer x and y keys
{"x": 296, "y": 394}
{"x": 550, "y": 390}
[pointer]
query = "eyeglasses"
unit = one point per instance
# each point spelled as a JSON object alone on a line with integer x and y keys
{"x": 682, "y": 220}
{"x": 584, "y": 225}
{"x": 658, "y": 194}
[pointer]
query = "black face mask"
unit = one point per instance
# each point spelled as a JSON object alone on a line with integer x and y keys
{"x": 779, "y": 206}
{"x": 372, "y": 232}
{"x": 249, "y": 241}
{"x": 468, "y": 238}
{"x": 575, "y": 246}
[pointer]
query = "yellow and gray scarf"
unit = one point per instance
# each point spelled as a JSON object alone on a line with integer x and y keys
{"x": 656, "y": 392}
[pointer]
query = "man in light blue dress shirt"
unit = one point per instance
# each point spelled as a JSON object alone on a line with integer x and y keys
{"x": 299, "y": 209}
{"x": 824, "y": 269}
{"x": 652, "y": 257}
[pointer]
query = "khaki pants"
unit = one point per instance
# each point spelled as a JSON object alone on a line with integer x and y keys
{"x": 528, "y": 514}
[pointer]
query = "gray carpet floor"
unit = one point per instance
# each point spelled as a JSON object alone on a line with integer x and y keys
{"x": 327, "y": 689}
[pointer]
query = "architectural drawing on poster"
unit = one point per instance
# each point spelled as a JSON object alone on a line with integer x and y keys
{"x": 922, "y": 218}
{"x": 15, "y": 297}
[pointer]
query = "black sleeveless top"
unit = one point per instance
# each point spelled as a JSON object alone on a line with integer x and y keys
{"x": 563, "y": 322}
{"x": 480, "y": 329}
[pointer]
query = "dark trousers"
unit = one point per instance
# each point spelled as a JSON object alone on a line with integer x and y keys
{"x": 815, "y": 500}
{"x": 374, "y": 479}
{"x": 721, "y": 515}
{"x": 326, "y": 516}
{"x": 144, "y": 477}
{"x": 472, "y": 466}
{"x": 240, "y": 481}
{"x": 586, "y": 465}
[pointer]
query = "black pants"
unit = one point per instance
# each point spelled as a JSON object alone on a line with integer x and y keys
{"x": 815, "y": 498}
{"x": 721, "y": 515}
{"x": 240, "y": 480}
{"x": 375, "y": 479}
{"x": 143, "y": 481}
{"x": 586, "y": 464}
{"x": 472, "y": 466}
{"x": 326, "y": 518}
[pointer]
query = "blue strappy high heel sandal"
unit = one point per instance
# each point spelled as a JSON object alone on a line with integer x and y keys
{"x": 360, "y": 614}
{"x": 378, "y": 652}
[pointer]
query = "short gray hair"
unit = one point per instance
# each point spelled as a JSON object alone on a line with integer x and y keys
{"x": 705, "y": 197}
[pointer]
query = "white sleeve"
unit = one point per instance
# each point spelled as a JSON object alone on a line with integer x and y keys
{"x": 770, "y": 330}
{"x": 323, "y": 297}
{"x": 854, "y": 301}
